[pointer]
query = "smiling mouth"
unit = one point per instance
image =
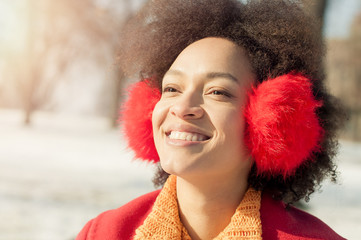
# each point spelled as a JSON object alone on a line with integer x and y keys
{"x": 187, "y": 136}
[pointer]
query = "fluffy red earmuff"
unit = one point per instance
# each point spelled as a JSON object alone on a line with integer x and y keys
{"x": 282, "y": 126}
{"x": 136, "y": 117}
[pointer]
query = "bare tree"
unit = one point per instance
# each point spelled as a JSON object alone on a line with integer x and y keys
{"x": 317, "y": 8}
{"x": 353, "y": 93}
{"x": 118, "y": 79}
{"x": 59, "y": 32}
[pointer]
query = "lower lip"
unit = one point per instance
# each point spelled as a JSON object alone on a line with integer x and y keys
{"x": 182, "y": 143}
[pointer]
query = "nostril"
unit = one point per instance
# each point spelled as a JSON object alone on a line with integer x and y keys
{"x": 186, "y": 110}
{"x": 196, "y": 113}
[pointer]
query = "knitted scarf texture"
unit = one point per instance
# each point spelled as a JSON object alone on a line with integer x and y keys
{"x": 163, "y": 221}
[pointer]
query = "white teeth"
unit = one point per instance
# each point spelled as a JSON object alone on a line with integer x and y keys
{"x": 189, "y": 137}
{"x": 183, "y": 136}
{"x": 194, "y": 137}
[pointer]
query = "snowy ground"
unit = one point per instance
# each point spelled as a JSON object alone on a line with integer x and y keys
{"x": 65, "y": 170}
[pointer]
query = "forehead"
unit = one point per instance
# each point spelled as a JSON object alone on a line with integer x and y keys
{"x": 212, "y": 55}
{"x": 216, "y": 44}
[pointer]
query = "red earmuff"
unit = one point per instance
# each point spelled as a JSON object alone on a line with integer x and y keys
{"x": 136, "y": 118}
{"x": 282, "y": 126}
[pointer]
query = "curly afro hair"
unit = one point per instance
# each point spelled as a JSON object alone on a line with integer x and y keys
{"x": 278, "y": 36}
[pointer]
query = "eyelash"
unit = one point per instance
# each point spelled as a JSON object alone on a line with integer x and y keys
{"x": 169, "y": 89}
{"x": 219, "y": 92}
{"x": 213, "y": 92}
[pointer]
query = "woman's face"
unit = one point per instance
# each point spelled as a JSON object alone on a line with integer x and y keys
{"x": 198, "y": 123}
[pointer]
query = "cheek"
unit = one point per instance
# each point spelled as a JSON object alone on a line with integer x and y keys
{"x": 236, "y": 125}
{"x": 233, "y": 124}
{"x": 230, "y": 119}
{"x": 158, "y": 116}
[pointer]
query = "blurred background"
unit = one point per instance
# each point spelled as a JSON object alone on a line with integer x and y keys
{"x": 63, "y": 159}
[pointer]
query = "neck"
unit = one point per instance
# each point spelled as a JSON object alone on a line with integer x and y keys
{"x": 212, "y": 203}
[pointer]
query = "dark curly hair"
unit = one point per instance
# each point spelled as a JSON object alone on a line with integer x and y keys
{"x": 278, "y": 36}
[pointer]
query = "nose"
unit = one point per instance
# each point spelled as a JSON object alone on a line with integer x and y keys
{"x": 187, "y": 106}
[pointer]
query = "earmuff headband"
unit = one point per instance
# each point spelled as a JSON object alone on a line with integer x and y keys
{"x": 282, "y": 132}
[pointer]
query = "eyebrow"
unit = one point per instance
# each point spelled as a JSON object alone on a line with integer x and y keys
{"x": 173, "y": 72}
{"x": 222, "y": 75}
{"x": 209, "y": 75}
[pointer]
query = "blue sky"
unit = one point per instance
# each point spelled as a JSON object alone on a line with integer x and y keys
{"x": 339, "y": 16}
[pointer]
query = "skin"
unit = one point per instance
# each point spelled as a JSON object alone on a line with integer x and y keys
{"x": 203, "y": 95}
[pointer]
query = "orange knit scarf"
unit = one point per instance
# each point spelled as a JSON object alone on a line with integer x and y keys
{"x": 163, "y": 221}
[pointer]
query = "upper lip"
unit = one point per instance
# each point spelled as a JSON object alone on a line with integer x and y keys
{"x": 186, "y": 128}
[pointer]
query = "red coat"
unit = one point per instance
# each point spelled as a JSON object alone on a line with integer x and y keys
{"x": 277, "y": 222}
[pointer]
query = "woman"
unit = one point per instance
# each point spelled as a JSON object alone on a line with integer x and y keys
{"x": 232, "y": 105}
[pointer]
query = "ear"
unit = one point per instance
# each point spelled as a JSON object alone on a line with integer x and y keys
{"x": 283, "y": 129}
{"x": 136, "y": 118}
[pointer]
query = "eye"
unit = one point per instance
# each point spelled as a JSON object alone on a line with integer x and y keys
{"x": 169, "y": 89}
{"x": 220, "y": 93}
{"x": 217, "y": 92}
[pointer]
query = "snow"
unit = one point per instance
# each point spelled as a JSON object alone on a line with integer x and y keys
{"x": 65, "y": 170}
{"x": 339, "y": 204}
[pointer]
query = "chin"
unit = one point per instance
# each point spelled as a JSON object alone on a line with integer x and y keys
{"x": 168, "y": 166}
{"x": 167, "y": 169}
{"x": 173, "y": 170}
{"x": 175, "y": 167}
